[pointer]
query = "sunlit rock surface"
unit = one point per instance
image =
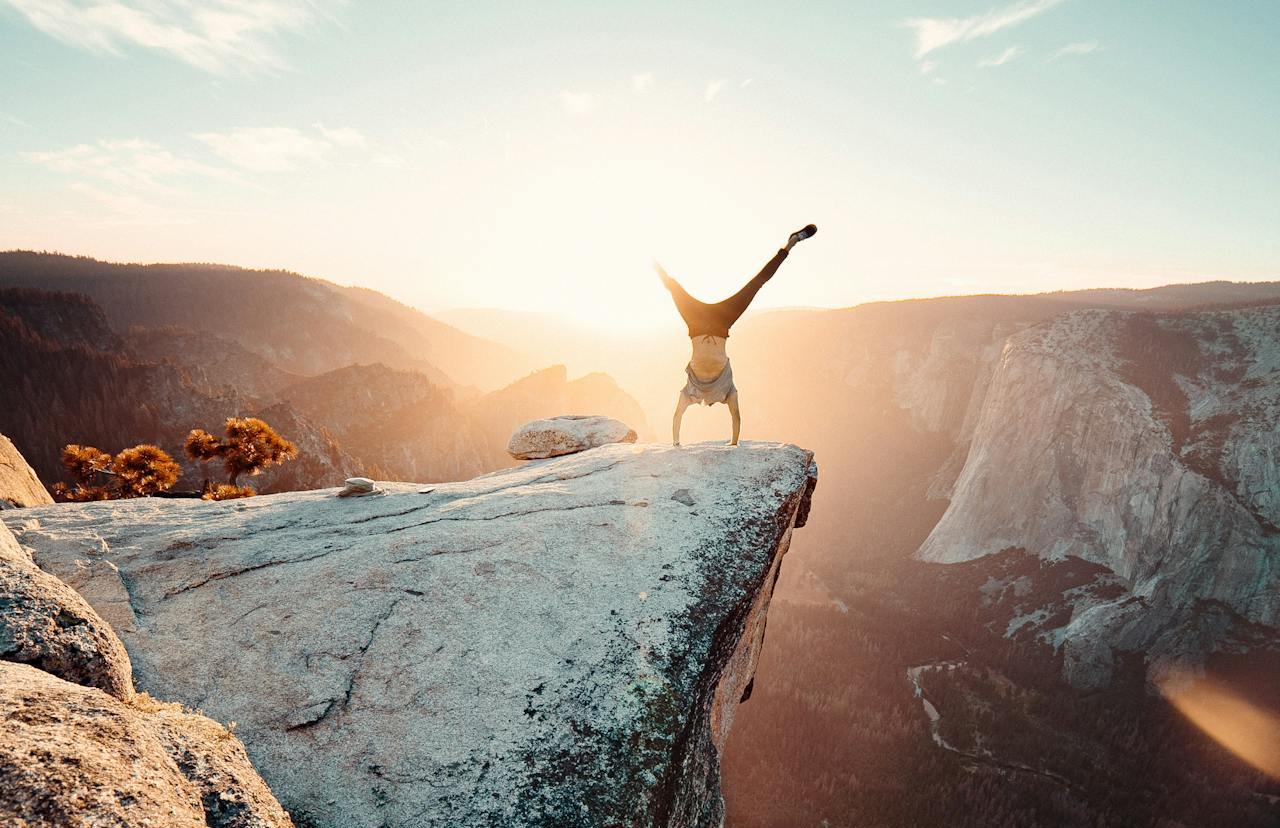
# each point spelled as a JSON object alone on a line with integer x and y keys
{"x": 72, "y": 755}
{"x": 19, "y": 485}
{"x": 559, "y": 644}
{"x": 78, "y": 747}
{"x": 45, "y": 623}
{"x": 1147, "y": 444}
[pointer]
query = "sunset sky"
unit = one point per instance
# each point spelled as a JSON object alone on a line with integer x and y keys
{"x": 539, "y": 156}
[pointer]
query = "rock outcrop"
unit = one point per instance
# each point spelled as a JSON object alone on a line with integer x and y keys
{"x": 72, "y": 755}
{"x": 45, "y": 623}
{"x": 19, "y": 485}
{"x": 566, "y": 434}
{"x": 79, "y": 747}
{"x": 1147, "y": 444}
{"x": 559, "y": 644}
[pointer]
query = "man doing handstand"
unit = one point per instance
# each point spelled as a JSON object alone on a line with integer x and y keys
{"x": 709, "y": 376}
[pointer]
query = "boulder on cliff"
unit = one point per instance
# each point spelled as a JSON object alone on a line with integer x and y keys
{"x": 72, "y": 755}
{"x": 559, "y": 643}
{"x": 45, "y": 623}
{"x": 19, "y": 485}
{"x": 566, "y": 434}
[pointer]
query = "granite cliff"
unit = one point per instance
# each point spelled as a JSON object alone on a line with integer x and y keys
{"x": 1146, "y": 443}
{"x": 560, "y": 643}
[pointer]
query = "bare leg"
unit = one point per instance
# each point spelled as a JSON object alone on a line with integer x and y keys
{"x": 691, "y": 310}
{"x": 681, "y": 404}
{"x": 728, "y": 310}
{"x": 736, "y": 415}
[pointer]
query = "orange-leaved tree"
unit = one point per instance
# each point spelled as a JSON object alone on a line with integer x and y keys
{"x": 89, "y": 468}
{"x": 140, "y": 471}
{"x": 249, "y": 447}
{"x": 144, "y": 470}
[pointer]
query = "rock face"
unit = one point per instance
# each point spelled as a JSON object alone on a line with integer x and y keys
{"x": 78, "y": 747}
{"x": 566, "y": 434}
{"x": 1144, "y": 443}
{"x": 45, "y": 623}
{"x": 72, "y": 755}
{"x": 19, "y": 485}
{"x": 558, "y": 644}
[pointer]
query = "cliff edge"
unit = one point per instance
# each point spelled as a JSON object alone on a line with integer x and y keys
{"x": 560, "y": 643}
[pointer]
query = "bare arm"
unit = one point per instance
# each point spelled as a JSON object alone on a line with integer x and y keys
{"x": 735, "y": 415}
{"x": 681, "y": 404}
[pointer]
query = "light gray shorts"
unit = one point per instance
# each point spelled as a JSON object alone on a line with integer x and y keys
{"x": 715, "y": 391}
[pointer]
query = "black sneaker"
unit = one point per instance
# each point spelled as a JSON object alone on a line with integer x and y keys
{"x": 803, "y": 233}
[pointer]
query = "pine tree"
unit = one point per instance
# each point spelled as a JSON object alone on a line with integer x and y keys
{"x": 250, "y": 446}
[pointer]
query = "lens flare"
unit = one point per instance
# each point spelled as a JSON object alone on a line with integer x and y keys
{"x": 1250, "y": 732}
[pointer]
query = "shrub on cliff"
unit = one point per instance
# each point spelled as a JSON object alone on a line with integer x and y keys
{"x": 222, "y": 491}
{"x": 250, "y": 446}
{"x": 140, "y": 471}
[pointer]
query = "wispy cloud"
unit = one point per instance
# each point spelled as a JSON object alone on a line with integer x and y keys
{"x": 133, "y": 179}
{"x": 746, "y": 83}
{"x": 1082, "y": 48}
{"x": 642, "y": 82}
{"x": 713, "y": 89}
{"x": 1002, "y": 58}
{"x": 219, "y": 36}
{"x": 269, "y": 149}
{"x": 927, "y": 66}
{"x": 933, "y": 33}
{"x": 134, "y": 165}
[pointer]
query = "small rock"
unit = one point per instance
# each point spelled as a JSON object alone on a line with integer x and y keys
{"x": 568, "y": 434}
{"x": 682, "y": 496}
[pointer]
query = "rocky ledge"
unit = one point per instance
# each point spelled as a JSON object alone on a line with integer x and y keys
{"x": 559, "y": 644}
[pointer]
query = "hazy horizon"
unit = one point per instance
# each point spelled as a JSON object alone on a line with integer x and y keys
{"x": 453, "y": 314}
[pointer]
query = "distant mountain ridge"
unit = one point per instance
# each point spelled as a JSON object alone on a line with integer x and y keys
{"x": 303, "y": 325}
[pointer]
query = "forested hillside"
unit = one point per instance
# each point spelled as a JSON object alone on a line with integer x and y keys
{"x": 73, "y": 379}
